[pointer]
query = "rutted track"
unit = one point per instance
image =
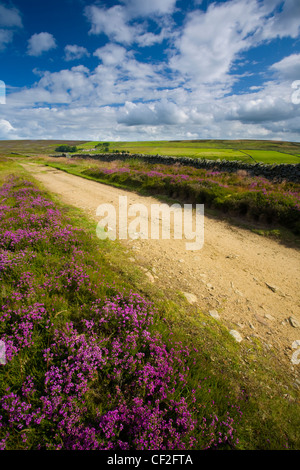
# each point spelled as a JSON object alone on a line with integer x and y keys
{"x": 252, "y": 282}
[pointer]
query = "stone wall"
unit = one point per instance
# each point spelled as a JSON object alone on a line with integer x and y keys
{"x": 288, "y": 172}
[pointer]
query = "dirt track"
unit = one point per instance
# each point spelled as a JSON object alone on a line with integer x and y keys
{"x": 250, "y": 281}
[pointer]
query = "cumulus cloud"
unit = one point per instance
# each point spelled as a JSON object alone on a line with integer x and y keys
{"x": 288, "y": 67}
{"x": 65, "y": 86}
{"x": 112, "y": 22}
{"x": 136, "y": 8}
{"x": 119, "y": 25}
{"x": 149, "y": 38}
{"x": 39, "y": 43}
{"x": 5, "y": 37}
{"x": 270, "y": 108}
{"x": 284, "y": 23}
{"x": 74, "y": 52}
{"x": 258, "y": 109}
{"x": 159, "y": 113}
{"x": 10, "y": 21}
{"x": 10, "y": 17}
{"x": 5, "y": 129}
{"x": 212, "y": 41}
{"x": 111, "y": 54}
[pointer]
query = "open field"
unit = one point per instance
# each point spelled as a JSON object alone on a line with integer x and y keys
{"x": 33, "y": 147}
{"x": 248, "y": 151}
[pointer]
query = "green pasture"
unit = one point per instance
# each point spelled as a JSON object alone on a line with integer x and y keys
{"x": 248, "y": 151}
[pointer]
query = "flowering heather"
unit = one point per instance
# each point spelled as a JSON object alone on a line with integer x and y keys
{"x": 238, "y": 193}
{"x": 85, "y": 368}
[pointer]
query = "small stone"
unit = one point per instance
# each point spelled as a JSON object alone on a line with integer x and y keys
{"x": 209, "y": 286}
{"x": 236, "y": 335}
{"x": 296, "y": 344}
{"x": 150, "y": 276}
{"x": 238, "y": 292}
{"x": 294, "y": 322}
{"x": 214, "y": 314}
{"x": 269, "y": 317}
{"x": 295, "y": 357}
{"x": 273, "y": 288}
{"x": 261, "y": 320}
{"x": 191, "y": 298}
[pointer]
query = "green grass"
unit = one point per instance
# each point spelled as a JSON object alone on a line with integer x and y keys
{"x": 245, "y": 151}
{"x": 272, "y": 156}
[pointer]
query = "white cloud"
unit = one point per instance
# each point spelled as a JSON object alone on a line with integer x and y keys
{"x": 212, "y": 41}
{"x": 288, "y": 68}
{"x": 39, "y": 43}
{"x": 284, "y": 23}
{"x": 148, "y": 39}
{"x": 136, "y": 8}
{"x": 5, "y": 37}
{"x": 10, "y": 17}
{"x": 63, "y": 87}
{"x": 112, "y": 22}
{"x": 161, "y": 112}
{"x": 74, "y": 52}
{"x": 119, "y": 23}
{"x": 111, "y": 54}
{"x": 5, "y": 129}
{"x": 270, "y": 108}
{"x": 10, "y": 20}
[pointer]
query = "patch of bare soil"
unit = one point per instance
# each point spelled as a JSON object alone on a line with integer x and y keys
{"x": 249, "y": 283}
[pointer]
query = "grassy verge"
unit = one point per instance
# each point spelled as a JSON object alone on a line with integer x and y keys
{"x": 98, "y": 358}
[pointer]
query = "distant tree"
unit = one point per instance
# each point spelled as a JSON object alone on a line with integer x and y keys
{"x": 66, "y": 148}
{"x": 104, "y": 146}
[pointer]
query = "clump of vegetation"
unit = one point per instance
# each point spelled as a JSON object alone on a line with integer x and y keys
{"x": 66, "y": 148}
{"x": 103, "y": 146}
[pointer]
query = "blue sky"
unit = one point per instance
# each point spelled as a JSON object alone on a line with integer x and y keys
{"x": 150, "y": 69}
